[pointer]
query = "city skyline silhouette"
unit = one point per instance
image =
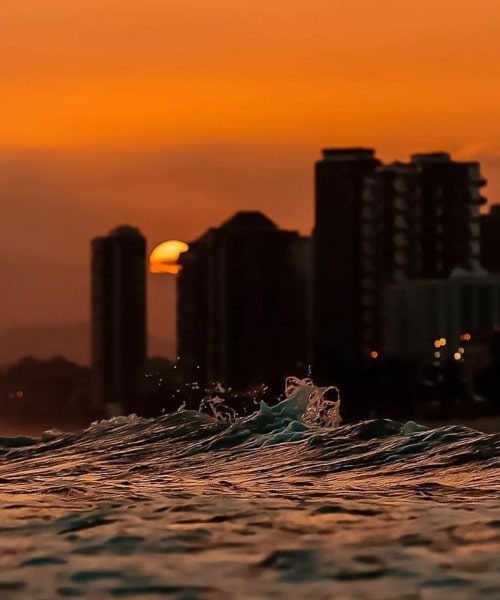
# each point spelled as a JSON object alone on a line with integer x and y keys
{"x": 110, "y": 119}
{"x": 161, "y": 302}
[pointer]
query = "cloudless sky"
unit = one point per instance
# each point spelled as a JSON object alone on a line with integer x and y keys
{"x": 172, "y": 114}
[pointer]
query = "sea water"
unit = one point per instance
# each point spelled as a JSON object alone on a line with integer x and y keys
{"x": 283, "y": 503}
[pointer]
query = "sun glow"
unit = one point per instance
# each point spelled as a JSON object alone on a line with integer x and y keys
{"x": 165, "y": 257}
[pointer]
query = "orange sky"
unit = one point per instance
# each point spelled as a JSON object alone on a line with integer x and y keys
{"x": 172, "y": 114}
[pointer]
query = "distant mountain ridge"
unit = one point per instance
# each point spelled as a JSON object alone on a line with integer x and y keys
{"x": 71, "y": 340}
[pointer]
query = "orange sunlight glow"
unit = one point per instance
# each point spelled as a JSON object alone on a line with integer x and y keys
{"x": 165, "y": 257}
{"x": 88, "y": 72}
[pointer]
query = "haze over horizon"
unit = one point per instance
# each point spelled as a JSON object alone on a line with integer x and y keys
{"x": 172, "y": 116}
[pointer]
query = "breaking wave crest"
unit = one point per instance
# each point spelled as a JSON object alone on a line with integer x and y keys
{"x": 299, "y": 437}
{"x": 285, "y": 501}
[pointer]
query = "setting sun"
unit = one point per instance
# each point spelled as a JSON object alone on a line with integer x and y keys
{"x": 165, "y": 257}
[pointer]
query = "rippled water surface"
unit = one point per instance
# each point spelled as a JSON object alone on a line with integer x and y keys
{"x": 186, "y": 507}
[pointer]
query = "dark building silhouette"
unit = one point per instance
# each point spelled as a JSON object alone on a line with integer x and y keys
{"x": 490, "y": 239}
{"x": 378, "y": 224}
{"x": 242, "y": 304}
{"x": 118, "y": 319}
{"x": 422, "y": 219}
{"x": 389, "y": 246}
{"x": 448, "y": 198}
{"x": 337, "y": 255}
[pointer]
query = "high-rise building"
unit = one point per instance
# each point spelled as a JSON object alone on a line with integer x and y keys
{"x": 242, "y": 304}
{"x": 378, "y": 224}
{"x": 422, "y": 219}
{"x": 337, "y": 259}
{"x": 448, "y": 197}
{"x": 389, "y": 243}
{"x": 118, "y": 319}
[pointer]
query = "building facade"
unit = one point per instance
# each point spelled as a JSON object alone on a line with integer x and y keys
{"x": 118, "y": 319}
{"x": 337, "y": 259}
{"x": 379, "y": 224}
{"x": 242, "y": 305}
{"x": 389, "y": 243}
{"x": 448, "y": 197}
{"x": 418, "y": 314}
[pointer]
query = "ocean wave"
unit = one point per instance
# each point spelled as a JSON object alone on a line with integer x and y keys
{"x": 281, "y": 443}
{"x": 284, "y": 501}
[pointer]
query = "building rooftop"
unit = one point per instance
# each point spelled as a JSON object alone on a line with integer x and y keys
{"x": 347, "y": 154}
{"x": 430, "y": 157}
{"x": 248, "y": 219}
{"x": 125, "y": 231}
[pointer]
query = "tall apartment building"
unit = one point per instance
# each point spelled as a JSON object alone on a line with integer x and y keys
{"x": 389, "y": 243}
{"x": 242, "y": 304}
{"x": 118, "y": 319}
{"x": 337, "y": 258}
{"x": 377, "y": 224}
{"x": 448, "y": 196}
